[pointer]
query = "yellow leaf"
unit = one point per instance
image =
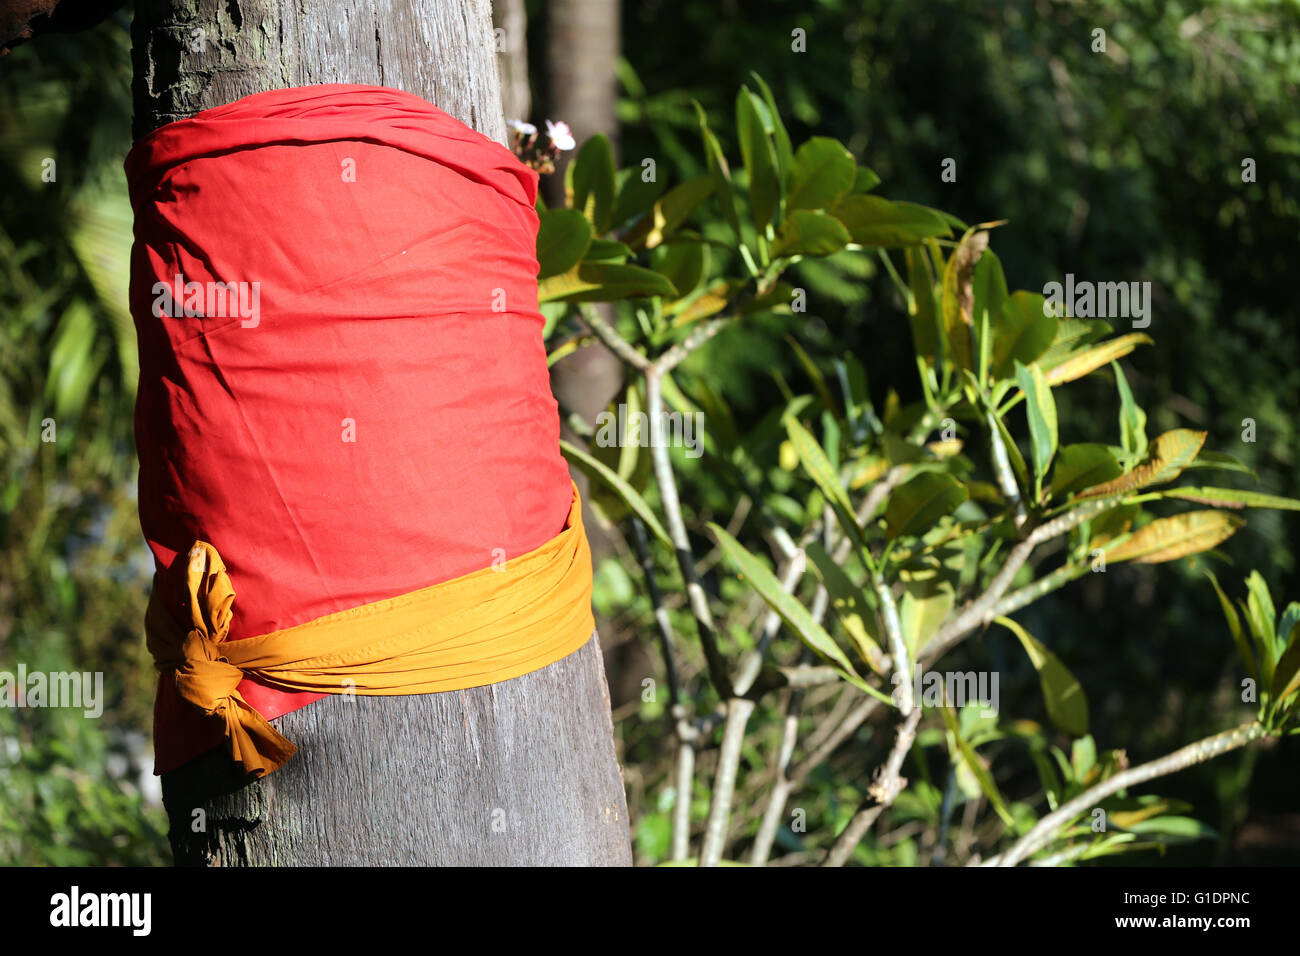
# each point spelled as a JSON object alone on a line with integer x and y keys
{"x": 1090, "y": 360}
{"x": 1167, "y": 539}
{"x": 1169, "y": 455}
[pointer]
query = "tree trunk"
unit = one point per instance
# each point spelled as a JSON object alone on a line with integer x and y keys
{"x": 510, "y": 25}
{"x": 583, "y": 44}
{"x": 517, "y": 773}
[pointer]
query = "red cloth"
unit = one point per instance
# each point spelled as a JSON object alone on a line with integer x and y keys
{"x": 404, "y": 303}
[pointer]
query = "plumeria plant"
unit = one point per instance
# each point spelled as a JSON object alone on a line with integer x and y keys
{"x": 882, "y": 537}
{"x": 537, "y": 151}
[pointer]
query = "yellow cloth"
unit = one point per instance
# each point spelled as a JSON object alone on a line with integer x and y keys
{"x": 481, "y": 628}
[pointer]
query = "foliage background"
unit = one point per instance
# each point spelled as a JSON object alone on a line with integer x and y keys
{"x": 1117, "y": 166}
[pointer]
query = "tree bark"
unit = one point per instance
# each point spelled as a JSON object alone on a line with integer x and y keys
{"x": 510, "y": 26}
{"x": 518, "y": 773}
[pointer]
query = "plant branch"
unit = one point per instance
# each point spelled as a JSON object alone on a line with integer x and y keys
{"x": 674, "y": 356}
{"x": 724, "y": 782}
{"x": 663, "y": 470}
{"x": 1198, "y": 752}
{"x": 883, "y": 791}
{"x": 781, "y": 786}
{"x": 613, "y": 341}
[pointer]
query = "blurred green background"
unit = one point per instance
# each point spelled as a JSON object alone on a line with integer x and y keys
{"x": 1122, "y": 165}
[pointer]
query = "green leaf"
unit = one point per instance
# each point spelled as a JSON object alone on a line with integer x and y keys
{"x": 1067, "y": 707}
{"x": 819, "y": 468}
{"x": 1081, "y": 466}
{"x": 1184, "y": 828}
{"x": 922, "y": 312}
{"x": 1231, "y": 498}
{"x": 668, "y": 214}
{"x": 966, "y": 754}
{"x": 865, "y": 180}
{"x": 1290, "y": 618}
{"x": 759, "y": 154}
{"x": 1132, "y": 418}
{"x": 1083, "y": 757}
{"x": 873, "y": 221}
{"x": 591, "y": 176}
{"x": 1286, "y": 678}
{"x": 1072, "y": 335}
{"x": 1041, "y": 409}
{"x": 563, "y": 236}
{"x": 780, "y": 138}
{"x": 1224, "y": 462}
{"x": 851, "y": 605}
{"x": 682, "y": 263}
{"x": 794, "y": 614}
{"x": 604, "y": 282}
{"x": 922, "y": 609}
{"x": 1261, "y": 614}
{"x": 921, "y": 502}
{"x": 75, "y": 359}
{"x": 636, "y": 194}
{"x": 822, "y": 172}
{"x": 817, "y": 464}
{"x": 607, "y": 250}
{"x": 719, "y": 171}
{"x": 1167, "y": 539}
{"x": 630, "y": 496}
{"x": 1089, "y": 360}
{"x": 990, "y": 296}
{"x": 1021, "y": 333}
{"x": 811, "y": 233}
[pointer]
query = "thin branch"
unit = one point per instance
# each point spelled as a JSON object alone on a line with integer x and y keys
{"x": 666, "y": 636}
{"x": 781, "y": 786}
{"x": 902, "y": 664}
{"x": 724, "y": 782}
{"x": 887, "y": 786}
{"x": 613, "y": 341}
{"x": 702, "y": 333}
{"x": 685, "y": 785}
{"x": 1198, "y": 752}
{"x": 663, "y": 470}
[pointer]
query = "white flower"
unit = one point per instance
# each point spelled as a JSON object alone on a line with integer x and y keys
{"x": 561, "y": 136}
{"x": 521, "y": 128}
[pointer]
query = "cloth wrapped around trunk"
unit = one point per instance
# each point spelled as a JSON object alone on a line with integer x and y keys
{"x": 343, "y": 386}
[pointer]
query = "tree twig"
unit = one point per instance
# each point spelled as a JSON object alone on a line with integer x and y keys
{"x": 886, "y": 787}
{"x": 1194, "y": 753}
{"x": 663, "y": 470}
{"x": 724, "y": 782}
{"x": 613, "y": 341}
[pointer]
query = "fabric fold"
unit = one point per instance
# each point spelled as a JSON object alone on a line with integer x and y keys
{"x": 343, "y": 385}
{"x": 481, "y": 628}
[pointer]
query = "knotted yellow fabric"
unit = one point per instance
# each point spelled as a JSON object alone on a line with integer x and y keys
{"x": 501, "y": 622}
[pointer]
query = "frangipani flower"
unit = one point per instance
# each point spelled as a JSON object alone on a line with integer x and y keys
{"x": 561, "y": 136}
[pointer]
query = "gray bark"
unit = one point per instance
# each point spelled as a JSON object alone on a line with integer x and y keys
{"x": 510, "y": 24}
{"x": 583, "y": 46}
{"x": 518, "y": 773}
